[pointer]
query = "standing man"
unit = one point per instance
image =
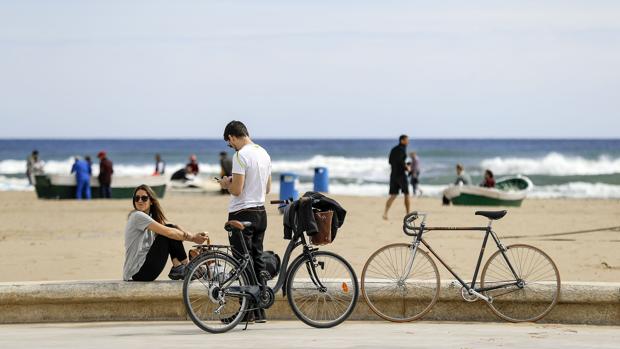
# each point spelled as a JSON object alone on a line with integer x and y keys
{"x": 248, "y": 185}
{"x": 398, "y": 177}
{"x": 105, "y": 175}
{"x": 225, "y": 168}
{"x": 34, "y": 167}
{"x": 160, "y": 166}
{"x": 82, "y": 179}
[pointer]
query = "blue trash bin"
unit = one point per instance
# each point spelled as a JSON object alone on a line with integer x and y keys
{"x": 288, "y": 182}
{"x": 321, "y": 179}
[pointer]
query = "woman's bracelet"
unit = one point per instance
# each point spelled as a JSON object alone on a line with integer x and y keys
{"x": 185, "y": 236}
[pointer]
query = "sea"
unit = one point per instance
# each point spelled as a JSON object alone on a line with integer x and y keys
{"x": 559, "y": 168}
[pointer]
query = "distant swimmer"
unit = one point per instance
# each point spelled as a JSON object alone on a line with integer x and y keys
{"x": 398, "y": 176}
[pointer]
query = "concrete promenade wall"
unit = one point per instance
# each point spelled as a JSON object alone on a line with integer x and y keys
{"x": 112, "y": 300}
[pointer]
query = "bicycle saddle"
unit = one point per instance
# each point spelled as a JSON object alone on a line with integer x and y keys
{"x": 492, "y": 214}
{"x": 230, "y": 225}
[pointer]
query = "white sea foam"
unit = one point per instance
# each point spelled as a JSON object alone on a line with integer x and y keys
{"x": 575, "y": 190}
{"x": 553, "y": 164}
{"x": 18, "y": 167}
{"x": 339, "y": 167}
{"x": 14, "y": 184}
{"x": 369, "y": 175}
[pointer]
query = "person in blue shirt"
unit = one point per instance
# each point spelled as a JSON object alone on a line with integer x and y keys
{"x": 82, "y": 178}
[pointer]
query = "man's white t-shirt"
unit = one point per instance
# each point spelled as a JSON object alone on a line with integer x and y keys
{"x": 253, "y": 162}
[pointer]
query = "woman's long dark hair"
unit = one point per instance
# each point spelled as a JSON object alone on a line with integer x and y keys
{"x": 156, "y": 212}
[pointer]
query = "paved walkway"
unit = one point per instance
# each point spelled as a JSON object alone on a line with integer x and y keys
{"x": 293, "y": 334}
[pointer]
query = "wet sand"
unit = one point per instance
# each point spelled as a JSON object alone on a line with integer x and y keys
{"x": 71, "y": 240}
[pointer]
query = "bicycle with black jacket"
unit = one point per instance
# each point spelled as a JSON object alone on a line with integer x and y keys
{"x": 221, "y": 285}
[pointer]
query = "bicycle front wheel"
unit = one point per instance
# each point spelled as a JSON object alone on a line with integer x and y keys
{"x": 323, "y": 292}
{"x": 534, "y": 291}
{"x": 395, "y": 291}
{"x": 207, "y": 299}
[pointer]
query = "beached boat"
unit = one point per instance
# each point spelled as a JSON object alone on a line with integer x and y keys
{"x": 508, "y": 191}
{"x": 63, "y": 186}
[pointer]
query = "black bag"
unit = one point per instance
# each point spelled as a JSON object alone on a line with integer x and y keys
{"x": 272, "y": 263}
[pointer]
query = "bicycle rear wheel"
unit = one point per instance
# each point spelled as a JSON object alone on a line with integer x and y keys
{"x": 327, "y": 298}
{"x": 535, "y": 296}
{"x": 395, "y": 295}
{"x": 209, "y": 305}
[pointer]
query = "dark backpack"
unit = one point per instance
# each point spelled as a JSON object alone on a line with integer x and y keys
{"x": 272, "y": 263}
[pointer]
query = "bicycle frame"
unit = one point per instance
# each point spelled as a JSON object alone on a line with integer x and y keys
{"x": 247, "y": 264}
{"x": 471, "y": 288}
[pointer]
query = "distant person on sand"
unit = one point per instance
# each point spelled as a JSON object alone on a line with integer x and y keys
{"x": 89, "y": 161}
{"x": 149, "y": 240}
{"x": 82, "y": 178}
{"x": 192, "y": 166}
{"x": 105, "y": 175}
{"x": 34, "y": 166}
{"x": 489, "y": 181}
{"x": 160, "y": 166}
{"x": 414, "y": 172}
{"x": 462, "y": 178}
{"x": 225, "y": 168}
{"x": 398, "y": 176}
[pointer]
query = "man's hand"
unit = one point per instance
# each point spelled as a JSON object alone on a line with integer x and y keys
{"x": 225, "y": 182}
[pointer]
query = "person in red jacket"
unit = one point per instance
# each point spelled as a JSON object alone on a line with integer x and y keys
{"x": 105, "y": 175}
{"x": 489, "y": 181}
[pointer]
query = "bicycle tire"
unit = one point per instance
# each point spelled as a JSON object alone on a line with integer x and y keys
{"x": 340, "y": 294}
{"x": 535, "y": 268}
{"x": 424, "y": 289}
{"x": 198, "y": 267}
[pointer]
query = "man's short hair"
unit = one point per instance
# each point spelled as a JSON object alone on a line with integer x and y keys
{"x": 235, "y": 128}
{"x": 402, "y": 137}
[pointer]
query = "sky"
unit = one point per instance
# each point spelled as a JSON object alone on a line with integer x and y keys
{"x": 310, "y": 69}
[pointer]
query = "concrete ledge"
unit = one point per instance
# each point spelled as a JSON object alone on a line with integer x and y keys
{"x": 112, "y": 300}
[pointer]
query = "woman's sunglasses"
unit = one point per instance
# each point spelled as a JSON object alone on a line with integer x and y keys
{"x": 143, "y": 198}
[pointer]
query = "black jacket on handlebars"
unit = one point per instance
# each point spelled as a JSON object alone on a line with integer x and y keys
{"x": 299, "y": 217}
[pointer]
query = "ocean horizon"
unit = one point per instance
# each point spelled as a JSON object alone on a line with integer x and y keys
{"x": 559, "y": 168}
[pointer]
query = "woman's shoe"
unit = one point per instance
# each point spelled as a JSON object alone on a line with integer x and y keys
{"x": 177, "y": 273}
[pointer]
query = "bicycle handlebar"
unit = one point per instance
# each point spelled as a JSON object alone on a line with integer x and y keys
{"x": 408, "y": 226}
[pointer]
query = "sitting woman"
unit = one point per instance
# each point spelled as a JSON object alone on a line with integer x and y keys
{"x": 149, "y": 241}
{"x": 488, "y": 181}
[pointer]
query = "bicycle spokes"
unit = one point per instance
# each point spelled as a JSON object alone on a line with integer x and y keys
{"x": 530, "y": 295}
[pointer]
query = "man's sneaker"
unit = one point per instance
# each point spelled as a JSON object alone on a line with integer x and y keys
{"x": 177, "y": 273}
{"x": 259, "y": 316}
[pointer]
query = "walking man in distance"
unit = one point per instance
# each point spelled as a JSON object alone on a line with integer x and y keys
{"x": 398, "y": 177}
{"x": 248, "y": 185}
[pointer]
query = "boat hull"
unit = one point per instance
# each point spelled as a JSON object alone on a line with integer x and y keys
{"x": 509, "y": 191}
{"x": 64, "y": 187}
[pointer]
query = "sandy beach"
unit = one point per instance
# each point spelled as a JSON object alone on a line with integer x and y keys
{"x": 71, "y": 240}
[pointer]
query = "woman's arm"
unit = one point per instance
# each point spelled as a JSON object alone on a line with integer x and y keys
{"x": 177, "y": 234}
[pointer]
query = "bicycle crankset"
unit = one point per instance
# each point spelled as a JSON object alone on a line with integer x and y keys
{"x": 467, "y": 296}
{"x": 267, "y": 298}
